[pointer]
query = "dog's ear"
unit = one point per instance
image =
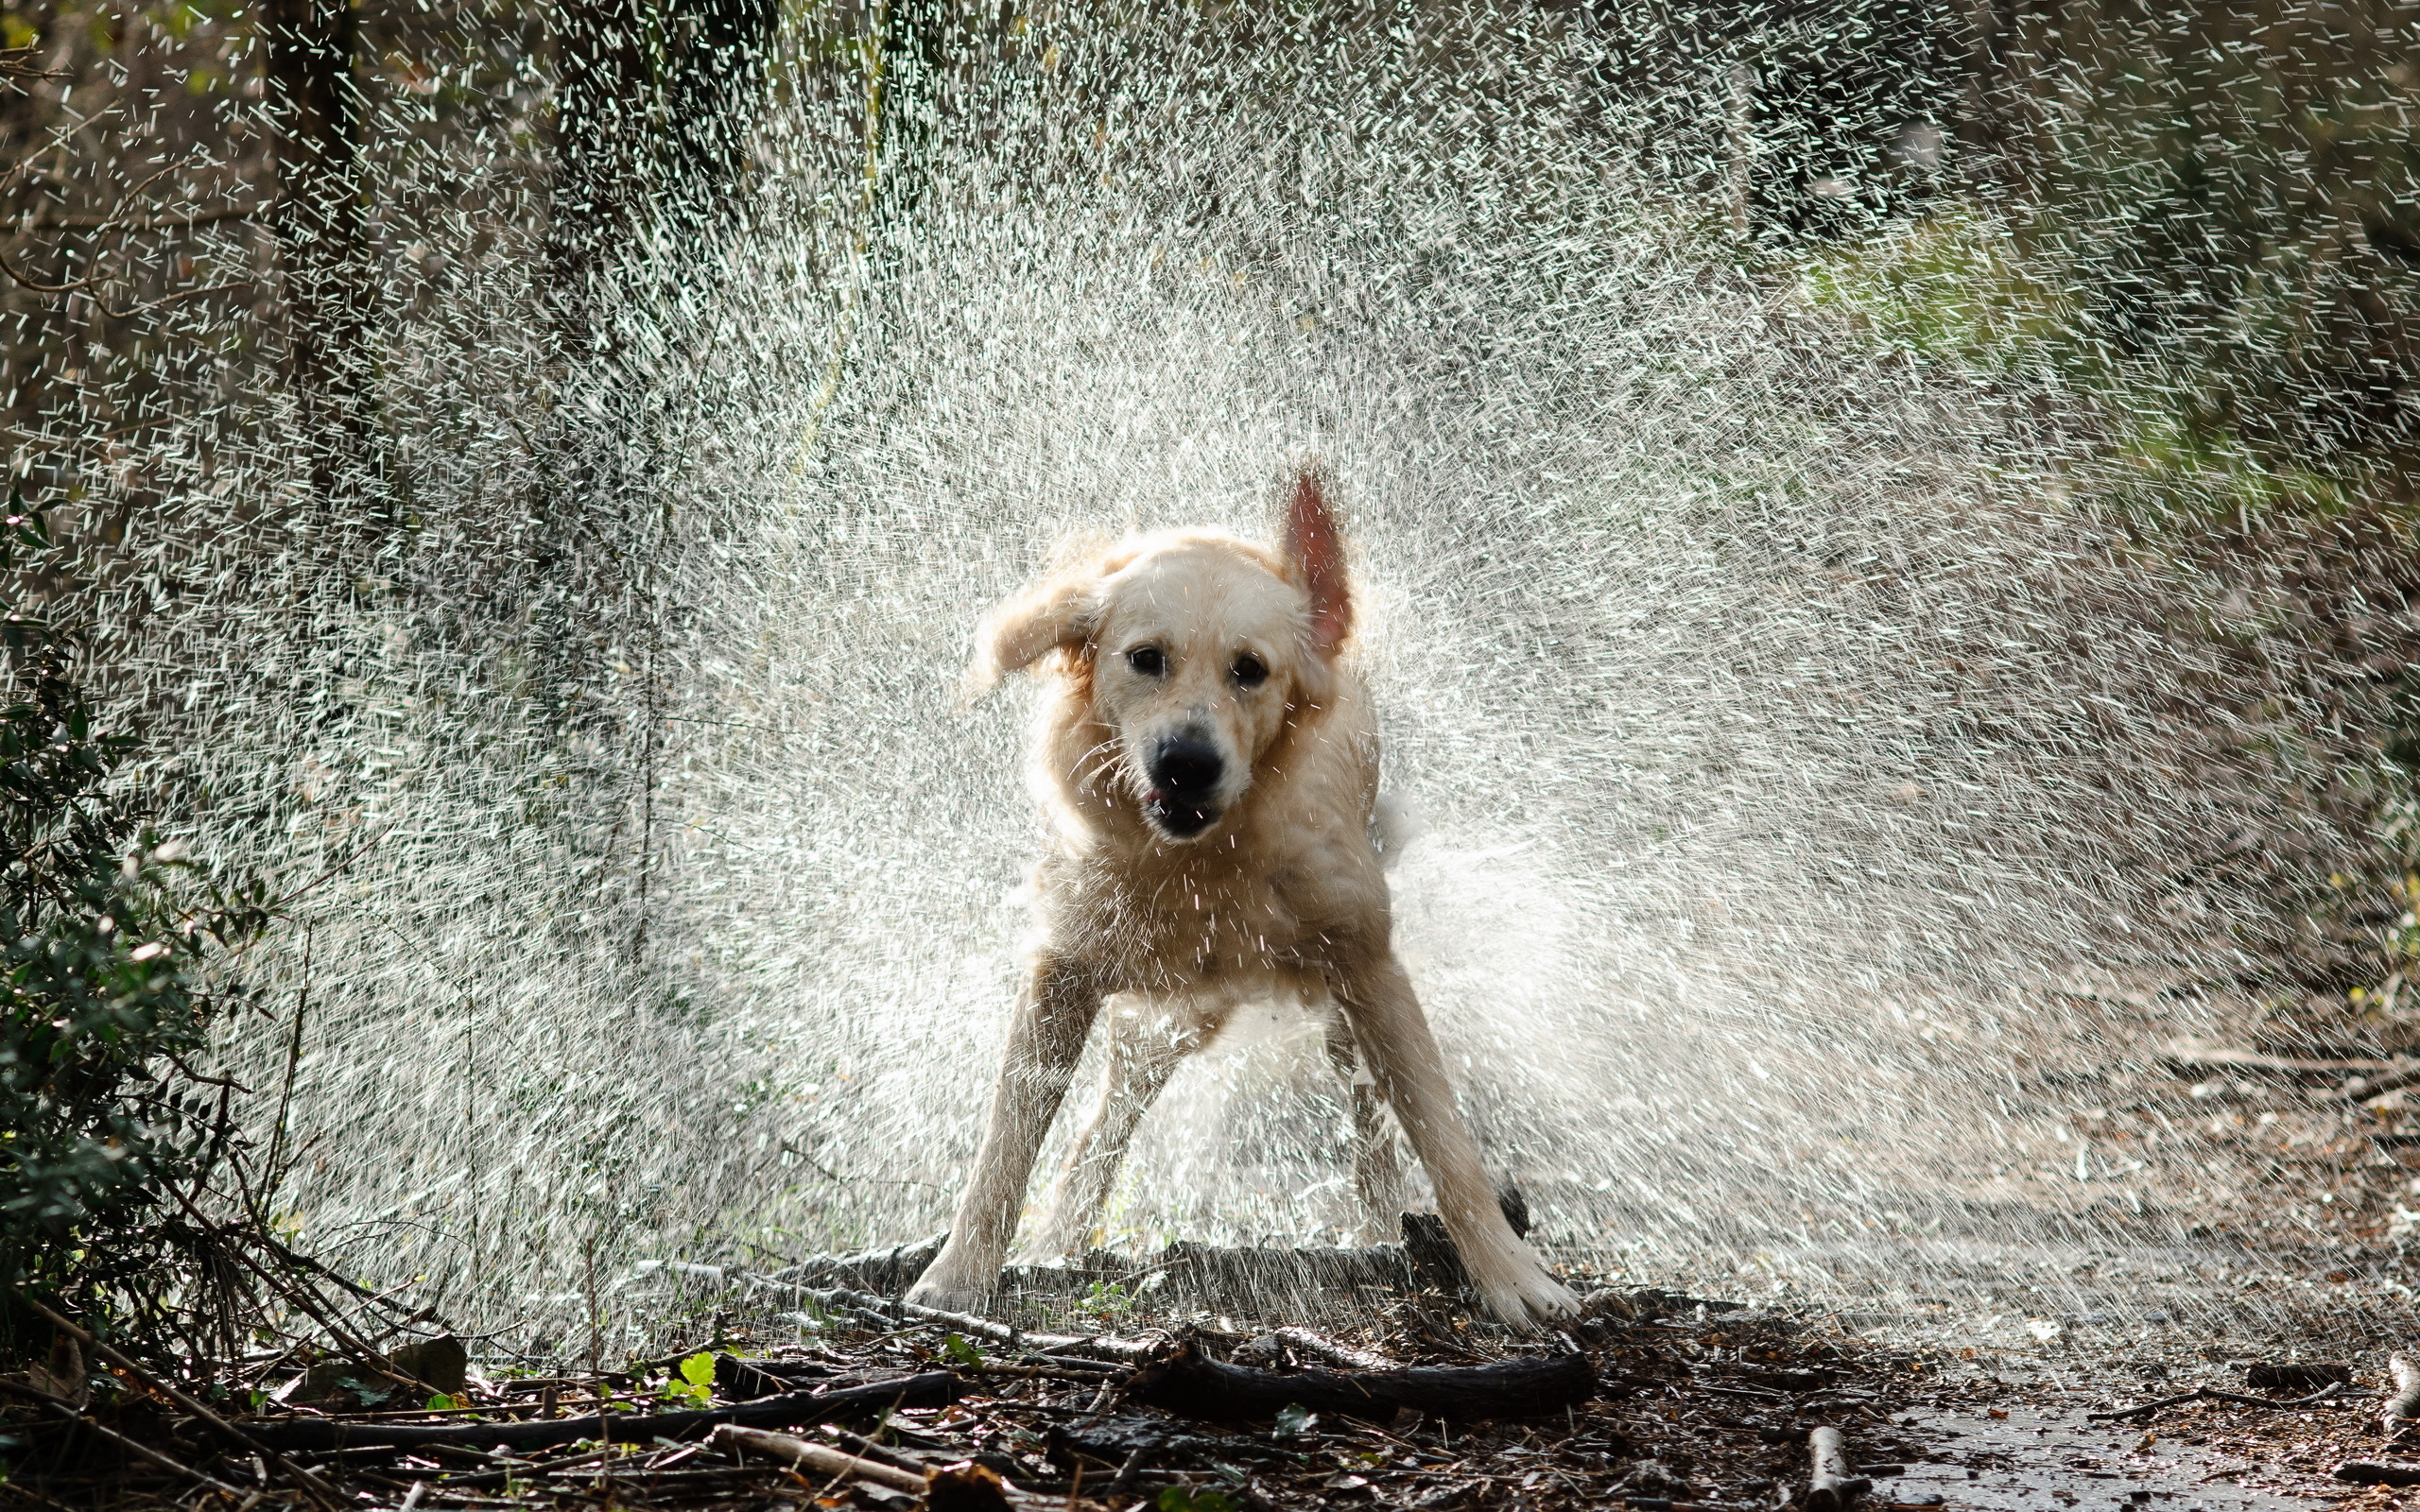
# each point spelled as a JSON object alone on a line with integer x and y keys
{"x": 1316, "y": 551}
{"x": 1060, "y": 611}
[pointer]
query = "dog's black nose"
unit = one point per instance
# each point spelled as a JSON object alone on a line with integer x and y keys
{"x": 1186, "y": 769}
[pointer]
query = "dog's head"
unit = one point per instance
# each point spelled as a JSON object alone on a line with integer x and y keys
{"x": 1191, "y": 649}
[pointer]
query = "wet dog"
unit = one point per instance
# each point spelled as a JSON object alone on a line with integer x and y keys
{"x": 1206, "y": 764}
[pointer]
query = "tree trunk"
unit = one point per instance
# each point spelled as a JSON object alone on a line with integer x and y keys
{"x": 309, "y": 48}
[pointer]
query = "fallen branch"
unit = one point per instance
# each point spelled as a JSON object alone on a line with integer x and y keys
{"x": 1829, "y": 1486}
{"x": 934, "y": 1389}
{"x": 2362, "y": 1089}
{"x": 1190, "y": 1384}
{"x": 1123, "y": 1351}
{"x": 2331, "y": 1391}
{"x": 2378, "y": 1472}
{"x": 731, "y": 1438}
{"x": 2184, "y": 1057}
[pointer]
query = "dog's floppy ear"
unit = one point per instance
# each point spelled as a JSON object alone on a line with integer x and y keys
{"x": 1060, "y": 611}
{"x": 1316, "y": 551}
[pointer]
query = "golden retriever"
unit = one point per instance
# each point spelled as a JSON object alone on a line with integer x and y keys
{"x": 1208, "y": 765}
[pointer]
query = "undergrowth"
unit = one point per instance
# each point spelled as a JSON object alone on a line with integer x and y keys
{"x": 107, "y": 1129}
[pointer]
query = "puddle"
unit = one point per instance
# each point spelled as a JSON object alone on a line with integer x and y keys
{"x": 2049, "y": 1461}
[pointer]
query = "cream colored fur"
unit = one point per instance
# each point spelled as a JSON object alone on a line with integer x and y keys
{"x": 1279, "y": 897}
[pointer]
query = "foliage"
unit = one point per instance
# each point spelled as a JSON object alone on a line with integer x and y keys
{"x": 2187, "y": 237}
{"x": 694, "y": 1379}
{"x": 2232, "y": 187}
{"x": 105, "y": 926}
{"x": 1107, "y": 1298}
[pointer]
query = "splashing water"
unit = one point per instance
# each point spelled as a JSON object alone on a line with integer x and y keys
{"x": 1800, "y": 761}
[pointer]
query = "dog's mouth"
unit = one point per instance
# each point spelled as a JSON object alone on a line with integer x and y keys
{"x": 1178, "y": 817}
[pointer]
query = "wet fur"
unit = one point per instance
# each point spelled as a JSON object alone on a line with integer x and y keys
{"x": 1280, "y": 897}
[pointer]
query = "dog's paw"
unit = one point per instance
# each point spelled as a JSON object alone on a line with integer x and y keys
{"x": 944, "y": 1297}
{"x": 1527, "y": 1299}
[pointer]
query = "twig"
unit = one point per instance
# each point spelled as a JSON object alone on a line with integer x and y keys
{"x": 1046, "y": 1373}
{"x": 37, "y": 286}
{"x": 293, "y": 1059}
{"x": 342, "y": 862}
{"x": 163, "y": 222}
{"x": 932, "y": 1389}
{"x": 1124, "y": 1479}
{"x": 814, "y": 1456}
{"x": 301, "y": 1297}
{"x": 304, "y": 1263}
{"x": 2207, "y": 1394}
{"x": 595, "y": 1341}
{"x": 1119, "y": 1350}
{"x": 90, "y": 284}
{"x": 310, "y": 1483}
{"x": 2361, "y": 1089}
{"x": 166, "y": 299}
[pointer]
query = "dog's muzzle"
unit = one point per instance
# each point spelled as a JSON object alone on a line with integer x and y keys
{"x": 1184, "y": 773}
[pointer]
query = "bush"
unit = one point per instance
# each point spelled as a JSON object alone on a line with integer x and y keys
{"x": 104, "y": 926}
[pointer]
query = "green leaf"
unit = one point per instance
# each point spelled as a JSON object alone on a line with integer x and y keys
{"x": 699, "y": 1370}
{"x": 960, "y": 1353}
{"x": 1294, "y": 1419}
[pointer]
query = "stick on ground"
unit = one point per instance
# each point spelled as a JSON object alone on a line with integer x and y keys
{"x": 2326, "y": 1393}
{"x": 731, "y": 1436}
{"x": 1828, "y": 1485}
{"x": 934, "y": 1389}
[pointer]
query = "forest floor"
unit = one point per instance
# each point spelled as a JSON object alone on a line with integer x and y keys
{"x": 1680, "y": 1405}
{"x": 2217, "y": 1340}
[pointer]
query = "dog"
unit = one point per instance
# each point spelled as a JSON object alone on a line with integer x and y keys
{"x": 1207, "y": 763}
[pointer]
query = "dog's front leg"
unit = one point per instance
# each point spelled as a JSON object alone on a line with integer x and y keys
{"x": 1393, "y": 1034}
{"x": 1377, "y": 1169}
{"x": 1145, "y": 1049}
{"x": 1055, "y": 1011}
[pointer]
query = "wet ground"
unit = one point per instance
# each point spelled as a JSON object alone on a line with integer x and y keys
{"x": 2036, "y": 1460}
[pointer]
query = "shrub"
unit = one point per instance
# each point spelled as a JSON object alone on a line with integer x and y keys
{"x": 104, "y": 926}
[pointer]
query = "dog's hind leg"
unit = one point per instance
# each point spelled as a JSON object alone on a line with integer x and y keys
{"x": 1510, "y": 1280}
{"x": 1145, "y": 1049}
{"x": 1377, "y": 1160}
{"x": 1055, "y": 1011}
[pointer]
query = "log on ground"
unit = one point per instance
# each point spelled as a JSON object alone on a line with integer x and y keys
{"x": 1194, "y": 1386}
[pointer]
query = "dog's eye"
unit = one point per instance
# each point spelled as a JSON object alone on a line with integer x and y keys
{"x": 1250, "y": 670}
{"x": 1147, "y": 660}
